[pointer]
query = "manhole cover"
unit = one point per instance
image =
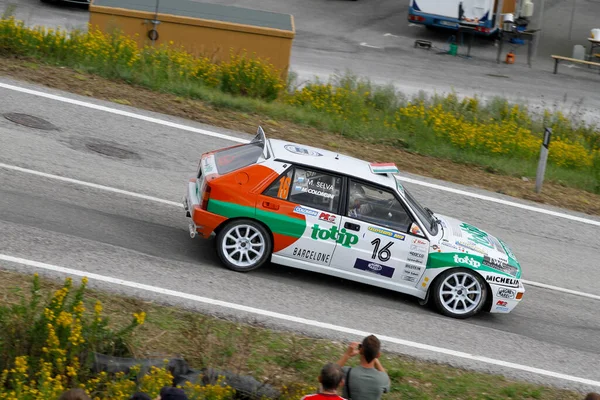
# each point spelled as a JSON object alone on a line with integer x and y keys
{"x": 111, "y": 150}
{"x": 30, "y": 121}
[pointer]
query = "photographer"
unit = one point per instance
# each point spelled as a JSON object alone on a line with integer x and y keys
{"x": 368, "y": 380}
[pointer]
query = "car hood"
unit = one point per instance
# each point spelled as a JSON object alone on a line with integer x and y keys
{"x": 461, "y": 237}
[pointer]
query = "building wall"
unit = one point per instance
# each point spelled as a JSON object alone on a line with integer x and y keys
{"x": 214, "y": 39}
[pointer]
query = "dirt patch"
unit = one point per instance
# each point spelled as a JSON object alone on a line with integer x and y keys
{"x": 123, "y": 93}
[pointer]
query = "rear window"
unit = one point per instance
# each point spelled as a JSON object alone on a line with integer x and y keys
{"x": 237, "y": 157}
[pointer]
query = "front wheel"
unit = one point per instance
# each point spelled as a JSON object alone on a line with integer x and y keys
{"x": 243, "y": 245}
{"x": 459, "y": 293}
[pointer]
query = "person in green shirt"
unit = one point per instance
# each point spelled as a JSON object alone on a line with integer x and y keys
{"x": 368, "y": 380}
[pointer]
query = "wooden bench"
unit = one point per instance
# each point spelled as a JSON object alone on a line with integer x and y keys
{"x": 573, "y": 60}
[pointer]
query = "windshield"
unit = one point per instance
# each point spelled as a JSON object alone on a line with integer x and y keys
{"x": 423, "y": 215}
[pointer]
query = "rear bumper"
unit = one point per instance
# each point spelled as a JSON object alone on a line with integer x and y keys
{"x": 200, "y": 222}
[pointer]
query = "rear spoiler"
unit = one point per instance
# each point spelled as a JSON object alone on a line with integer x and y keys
{"x": 261, "y": 138}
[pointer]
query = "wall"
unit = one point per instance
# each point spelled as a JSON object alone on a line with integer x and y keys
{"x": 214, "y": 39}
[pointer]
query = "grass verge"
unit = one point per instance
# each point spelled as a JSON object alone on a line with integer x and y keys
{"x": 502, "y": 175}
{"x": 283, "y": 359}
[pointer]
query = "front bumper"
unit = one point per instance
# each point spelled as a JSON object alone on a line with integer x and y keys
{"x": 504, "y": 298}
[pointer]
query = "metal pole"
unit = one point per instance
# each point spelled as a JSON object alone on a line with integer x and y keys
{"x": 572, "y": 18}
{"x": 538, "y": 35}
{"x": 499, "y": 6}
{"x": 541, "y": 171}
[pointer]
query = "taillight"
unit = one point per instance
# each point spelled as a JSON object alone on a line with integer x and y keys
{"x": 483, "y": 29}
{"x": 205, "y": 197}
{"x": 416, "y": 18}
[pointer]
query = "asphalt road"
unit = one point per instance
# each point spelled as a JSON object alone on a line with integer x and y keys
{"x": 333, "y": 35}
{"x": 73, "y": 226}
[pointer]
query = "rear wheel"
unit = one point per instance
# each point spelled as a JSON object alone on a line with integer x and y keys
{"x": 459, "y": 293}
{"x": 243, "y": 245}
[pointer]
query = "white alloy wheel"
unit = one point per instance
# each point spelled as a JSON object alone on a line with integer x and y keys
{"x": 459, "y": 293}
{"x": 243, "y": 245}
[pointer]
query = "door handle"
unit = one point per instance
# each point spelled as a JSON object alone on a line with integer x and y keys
{"x": 351, "y": 226}
{"x": 272, "y": 206}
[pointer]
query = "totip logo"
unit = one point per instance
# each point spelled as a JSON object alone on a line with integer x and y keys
{"x": 467, "y": 260}
{"x": 375, "y": 267}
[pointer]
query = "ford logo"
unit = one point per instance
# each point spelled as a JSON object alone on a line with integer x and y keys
{"x": 375, "y": 267}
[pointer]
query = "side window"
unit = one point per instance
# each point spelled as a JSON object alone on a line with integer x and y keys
{"x": 316, "y": 189}
{"x": 310, "y": 188}
{"x": 280, "y": 188}
{"x": 371, "y": 204}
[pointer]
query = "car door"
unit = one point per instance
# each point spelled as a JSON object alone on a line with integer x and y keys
{"x": 302, "y": 206}
{"x": 381, "y": 247}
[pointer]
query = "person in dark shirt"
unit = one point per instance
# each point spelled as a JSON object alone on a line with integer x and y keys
{"x": 369, "y": 380}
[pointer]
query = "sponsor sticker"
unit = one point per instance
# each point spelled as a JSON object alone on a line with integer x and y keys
{"x": 415, "y": 230}
{"x": 341, "y": 236}
{"x": 476, "y": 235}
{"x": 409, "y": 278}
{"x": 499, "y": 265}
{"x": 413, "y": 267}
{"x": 502, "y": 280}
{"x": 502, "y": 309}
{"x": 415, "y": 254}
{"x": 373, "y": 267}
{"x": 327, "y": 217}
{"x": 416, "y": 248}
{"x": 208, "y": 168}
{"x": 300, "y": 179}
{"x": 414, "y": 260}
{"x": 419, "y": 241}
{"x": 506, "y": 293}
{"x": 466, "y": 260}
{"x": 501, "y": 303}
{"x": 303, "y": 151}
{"x": 305, "y": 211}
{"x": 386, "y": 232}
{"x": 311, "y": 255}
{"x": 450, "y": 245}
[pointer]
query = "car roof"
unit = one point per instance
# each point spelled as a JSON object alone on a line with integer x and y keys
{"x": 296, "y": 153}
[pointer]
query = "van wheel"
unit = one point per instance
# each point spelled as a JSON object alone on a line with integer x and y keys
{"x": 243, "y": 245}
{"x": 459, "y": 293}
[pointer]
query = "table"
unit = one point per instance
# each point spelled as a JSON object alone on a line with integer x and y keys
{"x": 526, "y": 35}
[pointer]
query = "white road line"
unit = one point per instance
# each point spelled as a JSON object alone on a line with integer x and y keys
{"x": 291, "y": 318}
{"x": 501, "y": 201}
{"x": 239, "y": 140}
{"x": 90, "y": 184}
{"x": 559, "y": 289}
{"x": 123, "y": 113}
{"x": 175, "y": 204}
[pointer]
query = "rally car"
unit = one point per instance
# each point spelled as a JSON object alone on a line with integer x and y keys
{"x": 309, "y": 208}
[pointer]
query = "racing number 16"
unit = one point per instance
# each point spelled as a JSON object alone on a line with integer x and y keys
{"x": 284, "y": 187}
{"x": 384, "y": 254}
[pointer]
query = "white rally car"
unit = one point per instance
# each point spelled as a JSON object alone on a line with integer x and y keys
{"x": 321, "y": 211}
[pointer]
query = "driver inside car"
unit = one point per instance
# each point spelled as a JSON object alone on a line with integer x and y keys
{"x": 358, "y": 205}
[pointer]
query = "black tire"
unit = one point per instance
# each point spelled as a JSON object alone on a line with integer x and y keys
{"x": 456, "y": 302}
{"x": 244, "y": 245}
